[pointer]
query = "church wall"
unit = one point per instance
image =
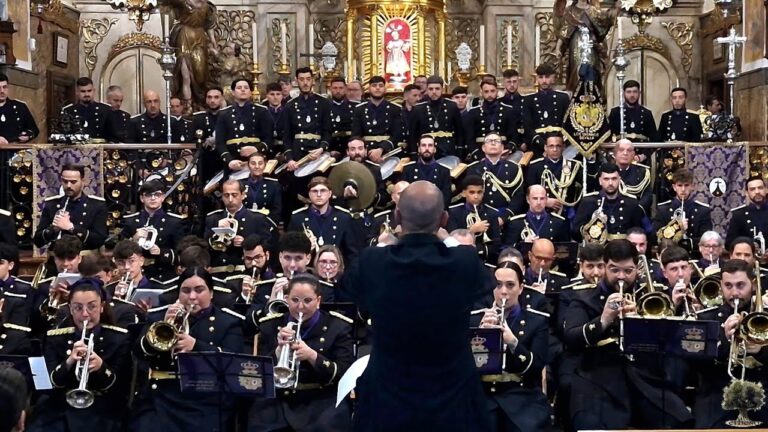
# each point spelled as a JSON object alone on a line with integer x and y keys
{"x": 43, "y": 85}
{"x": 752, "y": 104}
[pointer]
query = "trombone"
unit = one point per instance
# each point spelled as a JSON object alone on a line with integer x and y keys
{"x": 286, "y": 371}
{"x": 654, "y": 304}
{"x": 163, "y": 335}
{"x": 754, "y": 325}
{"x": 81, "y": 397}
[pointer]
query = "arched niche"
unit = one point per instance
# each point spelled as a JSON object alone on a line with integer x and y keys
{"x": 135, "y": 69}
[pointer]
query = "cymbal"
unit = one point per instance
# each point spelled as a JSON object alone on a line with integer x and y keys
{"x": 355, "y": 174}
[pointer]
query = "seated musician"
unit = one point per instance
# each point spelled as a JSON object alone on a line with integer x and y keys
{"x": 737, "y": 285}
{"x": 694, "y": 216}
{"x": 638, "y": 237}
{"x": 711, "y": 246}
{"x": 329, "y": 268}
{"x": 515, "y": 397}
{"x": 608, "y": 390}
{"x": 201, "y": 327}
{"x": 13, "y": 400}
{"x": 49, "y": 299}
{"x": 256, "y": 261}
{"x": 129, "y": 259}
{"x": 108, "y": 369}
{"x": 17, "y": 293}
{"x": 677, "y": 272}
{"x": 536, "y": 223}
{"x": 263, "y": 194}
{"x": 323, "y": 348}
{"x": 480, "y": 219}
{"x": 529, "y": 298}
{"x": 744, "y": 248}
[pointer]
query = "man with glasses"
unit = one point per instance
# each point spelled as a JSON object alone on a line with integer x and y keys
{"x": 711, "y": 246}
{"x": 323, "y": 223}
{"x": 503, "y": 178}
{"x": 539, "y": 274}
{"x": 227, "y": 252}
{"x": 159, "y": 256}
{"x": 256, "y": 261}
{"x": 610, "y": 390}
{"x": 129, "y": 259}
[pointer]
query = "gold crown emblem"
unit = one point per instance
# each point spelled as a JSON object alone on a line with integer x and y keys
{"x": 695, "y": 333}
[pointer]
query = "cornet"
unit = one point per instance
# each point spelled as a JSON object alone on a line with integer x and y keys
{"x": 163, "y": 335}
{"x": 279, "y": 305}
{"x": 62, "y": 211}
{"x": 286, "y": 371}
{"x": 221, "y": 241}
{"x": 473, "y": 218}
{"x": 128, "y": 291}
{"x": 81, "y": 397}
{"x": 148, "y": 242}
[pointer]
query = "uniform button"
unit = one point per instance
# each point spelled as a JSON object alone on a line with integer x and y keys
{"x": 154, "y": 386}
{"x": 213, "y": 318}
{"x": 211, "y": 329}
{"x": 69, "y": 352}
{"x": 322, "y": 340}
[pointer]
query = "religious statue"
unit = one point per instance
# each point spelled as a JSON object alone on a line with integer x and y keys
{"x": 568, "y": 20}
{"x": 231, "y": 65}
{"x": 397, "y": 66}
{"x": 192, "y": 36}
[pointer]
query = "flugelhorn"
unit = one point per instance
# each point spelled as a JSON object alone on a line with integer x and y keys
{"x": 286, "y": 371}
{"x": 653, "y": 304}
{"x": 221, "y": 241}
{"x": 163, "y": 335}
{"x": 81, "y": 397}
{"x": 474, "y": 217}
{"x": 279, "y": 305}
{"x": 129, "y": 290}
{"x": 148, "y": 242}
{"x": 60, "y": 212}
{"x": 759, "y": 241}
{"x": 673, "y": 230}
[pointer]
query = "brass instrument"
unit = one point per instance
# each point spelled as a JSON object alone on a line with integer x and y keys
{"x": 255, "y": 277}
{"x": 220, "y": 242}
{"x": 286, "y": 371}
{"x": 313, "y": 240}
{"x": 621, "y": 316}
{"x": 81, "y": 397}
{"x": 653, "y": 304}
{"x": 754, "y": 326}
{"x": 163, "y": 335}
{"x": 129, "y": 291}
{"x": 279, "y": 304}
{"x": 40, "y": 273}
{"x": 673, "y": 230}
{"x": 474, "y": 217}
{"x": 357, "y": 175}
{"x": 759, "y": 241}
{"x": 527, "y": 231}
{"x": 60, "y": 212}
{"x": 596, "y": 229}
{"x": 500, "y": 317}
{"x": 148, "y": 242}
{"x": 386, "y": 228}
{"x": 707, "y": 290}
{"x": 541, "y": 281}
{"x": 738, "y": 349}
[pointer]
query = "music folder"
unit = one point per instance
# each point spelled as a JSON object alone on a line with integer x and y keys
{"x": 222, "y": 372}
{"x": 487, "y": 349}
{"x": 683, "y": 338}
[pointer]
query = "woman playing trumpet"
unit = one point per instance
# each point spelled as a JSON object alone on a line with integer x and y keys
{"x": 515, "y": 398}
{"x": 323, "y": 352}
{"x": 108, "y": 366}
{"x": 199, "y": 326}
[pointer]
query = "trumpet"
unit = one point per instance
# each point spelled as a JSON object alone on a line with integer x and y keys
{"x": 221, "y": 241}
{"x": 386, "y": 228}
{"x": 313, "y": 240}
{"x": 673, "y": 230}
{"x": 163, "y": 335}
{"x": 621, "y": 316}
{"x": 286, "y": 371}
{"x": 654, "y": 304}
{"x": 527, "y": 231}
{"x": 279, "y": 305}
{"x": 148, "y": 242}
{"x": 255, "y": 277}
{"x": 62, "y": 211}
{"x": 81, "y": 397}
{"x": 129, "y": 291}
{"x": 473, "y": 218}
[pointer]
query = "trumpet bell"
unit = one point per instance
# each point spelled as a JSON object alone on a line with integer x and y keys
{"x": 655, "y": 305}
{"x": 80, "y": 399}
{"x": 754, "y": 327}
{"x": 284, "y": 377}
{"x": 707, "y": 290}
{"x": 162, "y": 336}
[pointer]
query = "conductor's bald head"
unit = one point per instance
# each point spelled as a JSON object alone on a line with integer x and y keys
{"x": 421, "y": 208}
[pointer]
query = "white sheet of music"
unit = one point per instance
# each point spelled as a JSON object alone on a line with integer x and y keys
{"x": 40, "y": 374}
{"x": 348, "y": 381}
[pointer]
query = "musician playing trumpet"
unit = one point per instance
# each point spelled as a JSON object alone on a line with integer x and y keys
{"x": 200, "y": 326}
{"x": 694, "y": 216}
{"x": 256, "y": 262}
{"x": 514, "y": 397}
{"x": 480, "y": 219}
{"x": 108, "y": 367}
{"x": 129, "y": 261}
{"x": 50, "y": 299}
{"x": 323, "y": 352}
{"x": 677, "y": 271}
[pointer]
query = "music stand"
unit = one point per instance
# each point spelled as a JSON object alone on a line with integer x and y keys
{"x": 487, "y": 350}
{"x": 683, "y": 338}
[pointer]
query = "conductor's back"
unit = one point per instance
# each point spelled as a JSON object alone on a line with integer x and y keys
{"x": 419, "y": 294}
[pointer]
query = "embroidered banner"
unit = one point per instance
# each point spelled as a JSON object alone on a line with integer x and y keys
{"x": 719, "y": 173}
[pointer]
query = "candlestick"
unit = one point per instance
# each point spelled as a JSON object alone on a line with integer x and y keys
{"x": 311, "y": 47}
{"x": 255, "y": 43}
{"x": 283, "y": 43}
{"x": 482, "y": 44}
{"x": 509, "y": 45}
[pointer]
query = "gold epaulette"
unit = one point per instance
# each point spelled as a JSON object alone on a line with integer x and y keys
{"x": 97, "y": 198}
{"x": 557, "y": 216}
{"x": 17, "y": 327}
{"x": 456, "y": 205}
{"x": 664, "y": 203}
{"x": 492, "y": 208}
{"x": 233, "y": 313}
{"x": 60, "y": 331}
{"x": 341, "y": 316}
{"x": 641, "y": 165}
{"x": 299, "y": 210}
{"x": 557, "y": 273}
{"x": 115, "y": 328}
{"x": 222, "y": 289}
{"x": 214, "y": 212}
{"x": 270, "y": 317}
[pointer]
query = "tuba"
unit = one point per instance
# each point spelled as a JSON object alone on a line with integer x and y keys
{"x": 221, "y": 241}
{"x": 286, "y": 371}
{"x": 163, "y": 335}
{"x": 754, "y": 326}
{"x": 474, "y": 217}
{"x": 653, "y": 304}
{"x": 596, "y": 230}
{"x": 81, "y": 397}
{"x": 707, "y": 290}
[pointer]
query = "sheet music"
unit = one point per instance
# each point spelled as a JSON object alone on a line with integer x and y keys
{"x": 348, "y": 382}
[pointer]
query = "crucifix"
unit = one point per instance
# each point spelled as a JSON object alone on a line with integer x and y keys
{"x": 732, "y": 40}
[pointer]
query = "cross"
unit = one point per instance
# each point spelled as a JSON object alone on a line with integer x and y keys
{"x": 731, "y": 40}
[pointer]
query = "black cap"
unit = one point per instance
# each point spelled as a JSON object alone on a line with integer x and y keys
{"x": 376, "y": 79}
{"x": 545, "y": 69}
{"x": 434, "y": 79}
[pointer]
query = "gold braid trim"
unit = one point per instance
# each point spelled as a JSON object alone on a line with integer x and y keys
{"x": 502, "y": 186}
{"x": 637, "y": 189}
{"x": 559, "y": 188}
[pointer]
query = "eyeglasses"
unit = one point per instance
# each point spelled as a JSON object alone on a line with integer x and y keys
{"x": 492, "y": 141}
{"x": 153, "y": 195}
{"x": 328, "y": 263}
{"x": 254, "y": 257}
{"x": 710, "y": 246}
{"x": 306, "y": 301}
{"x": 131, "y": 261}
{"x": 77, "y": 308}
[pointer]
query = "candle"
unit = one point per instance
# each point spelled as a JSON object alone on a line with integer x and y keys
{"x": 283, "y": 43}
{"x": 255, "y": 43}
{"x": 482, "y": 44}
{"x": 618, "y": 19}
{"x": 509, "y": 45}
{"x": 346, "y": 70}
{"x": 166, "y": 27}
{"x": 449, "y": 71}
{"x": 311, "y": 47}
{"x": 441, "y": 67}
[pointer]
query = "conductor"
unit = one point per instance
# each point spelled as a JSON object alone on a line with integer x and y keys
{"x": 419, "y": 293}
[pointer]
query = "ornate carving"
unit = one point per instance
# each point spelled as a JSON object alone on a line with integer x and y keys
{"x": 94, "y": 31}
{"x": 645, "y": 41}
{"x": 463, "y": 30}
{"x": 55, "y": 13}
{"x": 276, "y": 38}
{"x": 643, "y": 11}
{"x": 138, "y": 10}
{"x": 546, "y": 49}
{"x": 331, "y": 30}
{"x": 233, "y": 35}
{"x": 501, "y": 37}
{"x": 682, "y": 33}
{"x": 132, "y": 40}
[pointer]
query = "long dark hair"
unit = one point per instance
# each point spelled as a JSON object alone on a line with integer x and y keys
{"x": 199, "y": 272}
